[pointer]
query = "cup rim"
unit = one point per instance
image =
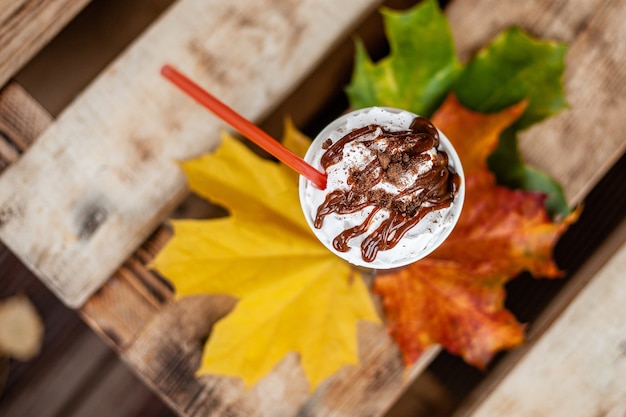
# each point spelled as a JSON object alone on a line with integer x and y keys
{"x": 457, "y": 206}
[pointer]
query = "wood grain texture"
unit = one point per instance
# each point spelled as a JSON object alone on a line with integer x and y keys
{"x": 167, "y": 355}
{"x": 119, "y": 141}
{"x": 83, "y": 49}
{"x": 131, "y": 298}
{"x": 22, "y": 120}
{"x": 590, "y": 132}
{"x": 159, "y": 337}
{"x": 162, "y": 339}
{"x": 578, "y": 365}
{"x": 26, "y": 26}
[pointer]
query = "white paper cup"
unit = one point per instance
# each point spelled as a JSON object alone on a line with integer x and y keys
{"x": 420, "y": 240}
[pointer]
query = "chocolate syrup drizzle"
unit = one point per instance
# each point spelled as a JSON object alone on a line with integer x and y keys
{"x": 405, "y": 151}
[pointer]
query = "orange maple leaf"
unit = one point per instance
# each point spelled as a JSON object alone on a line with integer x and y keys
{"x": 455, "y": 296}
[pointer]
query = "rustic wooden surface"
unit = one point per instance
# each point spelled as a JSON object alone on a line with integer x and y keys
{"x": 76, "y": 374}
{"x": 84, "y": 48}
{"x": 342, "y": 392}
{"x": 576, "y": 365}
{"x": 120, "y": 139}
{"x": 26, "y": 26}
{"x": 22, "y": 120}
{"x": 134, "y": 310}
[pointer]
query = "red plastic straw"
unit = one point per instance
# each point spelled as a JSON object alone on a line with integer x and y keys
{"x": 244, "y": 126}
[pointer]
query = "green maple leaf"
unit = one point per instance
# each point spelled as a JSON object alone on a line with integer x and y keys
{"x": 512, "y": 68}
{"x": 422, "y": 68}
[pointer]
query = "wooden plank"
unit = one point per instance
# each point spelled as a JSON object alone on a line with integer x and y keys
{"x": 589, "y": 133}
{"x": 224, "y": 397}
{"x": 22, "y": 119}
{"x": 166, "y": 353}
{"x": 321, "y": 96}
{"x": 577, "y": 365}
{"x": 85, "y": 46}
{"x": 131, "y": 298}
{"x": 26, "y": 26}
{"x": 119, "y": 141}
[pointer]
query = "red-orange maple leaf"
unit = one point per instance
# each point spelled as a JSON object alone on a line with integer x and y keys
{"x": 455, "y": 296}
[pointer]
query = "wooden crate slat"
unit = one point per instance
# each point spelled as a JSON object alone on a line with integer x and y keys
{"x": 131, "y": 298}
{"x": 27, "y": 25}
{"x": 374, "y": 386}
{"x": 118, "y": 142}
{"x": 146, "y": 330}
{"x": 167, "y": 354}
{"x": 22, "y": 119}
{"x": 588, "y": 133}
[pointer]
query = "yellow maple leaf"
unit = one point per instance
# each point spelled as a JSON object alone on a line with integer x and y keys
{"x": 294, "y": 295}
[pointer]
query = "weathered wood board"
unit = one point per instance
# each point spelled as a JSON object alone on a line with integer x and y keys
{"x": 22, "y": 120}
{"x": 134, "y": 310}
{"x": 119, "y": 141}
{"x": 26, "y": 26}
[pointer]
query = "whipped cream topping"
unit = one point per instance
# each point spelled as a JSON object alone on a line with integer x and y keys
{"x": 394, "y": 191}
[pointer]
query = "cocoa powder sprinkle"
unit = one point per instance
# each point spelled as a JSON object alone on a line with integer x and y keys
{"x": 405, "y": 152}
